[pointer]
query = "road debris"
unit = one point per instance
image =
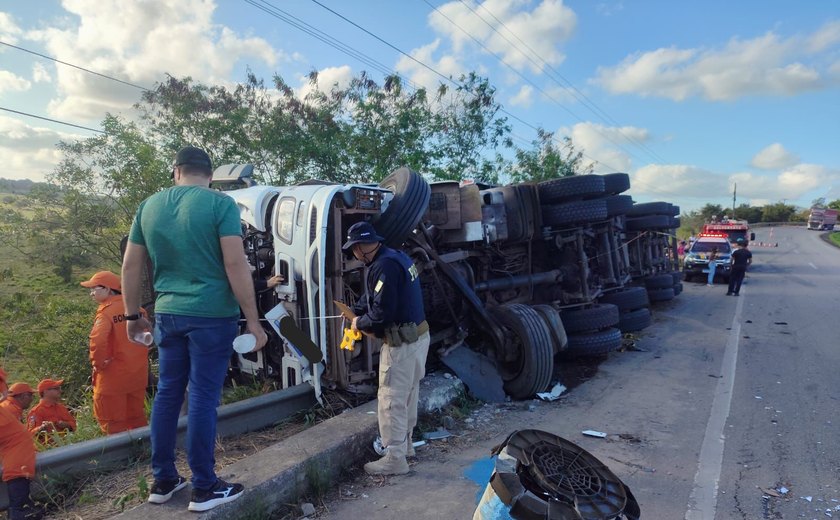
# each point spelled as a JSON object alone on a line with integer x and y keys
{"x": 440, "y": 433}
{"x": 593, "y": 433}
{"x": 554, "y": 394}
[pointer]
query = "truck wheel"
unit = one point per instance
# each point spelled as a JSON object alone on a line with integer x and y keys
{"x": 651, "y": 208}
{"x": 615, "y": 183}
{"x": 599, "y": 316}
{"x": 675, "y": 222}
{"x": 575, "y": 212}
{"x": 648, "y": 222}
{"x": 570, "y": 188}
{"x": 411, "y": 199}
{"x": 618, "y": 205}
{"x": 555, "y": 325}
{"x": 594, "y": 344}
{"x": 633, "y": 321}
{"x": 678, "y": 288}
{"x": 659, "y": 281}
{"x": 678, "y": 276}
{"x": 533, "y": 365}
{"x": 661, "y": 295}
{"x": 629, "y": 299}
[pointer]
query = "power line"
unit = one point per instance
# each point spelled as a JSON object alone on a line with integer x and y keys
{"x": 52, "y": 120}
{"x": 528, "y": 80}
{"x": 74, "y": 66}
{"x": 432, "y": 69}
{"x": 577, "y": 94}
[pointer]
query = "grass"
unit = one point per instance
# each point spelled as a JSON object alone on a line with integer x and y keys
{"x": 834, "y": 238}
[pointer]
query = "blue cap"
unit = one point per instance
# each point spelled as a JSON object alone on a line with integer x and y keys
{"x": 361, "y": 233}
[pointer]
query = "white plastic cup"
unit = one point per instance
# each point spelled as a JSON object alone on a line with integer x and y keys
{"x": 244, "y": 343}
{"x": 144, "y": 338}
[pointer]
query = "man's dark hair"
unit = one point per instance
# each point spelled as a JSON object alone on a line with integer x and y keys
{"x": 194, "y": 169}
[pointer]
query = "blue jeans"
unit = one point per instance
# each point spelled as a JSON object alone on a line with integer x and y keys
{"x": 195, "y": 350}
{"x": 712, "y": 267}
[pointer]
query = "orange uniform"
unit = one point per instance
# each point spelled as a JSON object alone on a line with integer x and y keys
{"x": 120, "y": 370}
{"x": 13, "y": 408}
{"x": 17, "y": 450}
{"x": 52, "y": 412}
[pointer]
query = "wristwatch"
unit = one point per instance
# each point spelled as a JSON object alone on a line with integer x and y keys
{"x": 131, "y": 317}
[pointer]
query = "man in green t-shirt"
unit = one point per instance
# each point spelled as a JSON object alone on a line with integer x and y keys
{"x": 192, "y": 235}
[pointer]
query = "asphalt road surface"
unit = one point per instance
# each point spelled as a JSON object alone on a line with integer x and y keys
{"x": 733, "y": 399}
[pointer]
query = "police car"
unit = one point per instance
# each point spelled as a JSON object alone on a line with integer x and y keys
{"x": 697, "y": 257}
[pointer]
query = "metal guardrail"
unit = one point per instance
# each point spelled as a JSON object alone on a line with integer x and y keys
{"x": 108, "y": 452}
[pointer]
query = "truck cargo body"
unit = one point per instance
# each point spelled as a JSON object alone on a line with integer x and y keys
{"x": 822, "y": 219}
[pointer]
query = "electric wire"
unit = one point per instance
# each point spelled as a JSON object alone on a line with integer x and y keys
{"x": 52, "y": 120}
{"x": 580, "y": 96}
{"x": 74, "y": 66}
{"x": 525, "y": 78}
{"x": 433, "y": 70}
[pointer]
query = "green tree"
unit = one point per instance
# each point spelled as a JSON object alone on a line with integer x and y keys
{"x": 748, "y": 213}
{"x": 834, "y": 204}
{"x": 711, "y": 210}
{"x": 778, "y": 212}
{"x": 547, "y": 159}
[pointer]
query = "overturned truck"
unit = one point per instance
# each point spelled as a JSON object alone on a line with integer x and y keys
{"x": 511, "y": 275}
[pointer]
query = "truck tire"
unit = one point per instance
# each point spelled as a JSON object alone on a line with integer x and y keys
{"x": 631, "y": 298}
{"x": 648, "y": 222}
{"x": 411, "y": 199}
{"x": 570, "y": 188}
{"x": 678, "y": 276}
{"x": 555, "y": 325}
{"x": 633, "y": 321}
{"x": 675, "y": 210}
{"x": 661, "y": 295}
{"x": 678, "y": 288}
{"x": 651, "y": 208}
{"x": 618, "y": 205}
{"x": 533, "y": 367}
{"x": 594, "y": 344}
{"x": 659, "y": 281}
{"x": 615, "y": 183}
{"x": 599, "y": 316}
{"x": 675, "y": 222}
{"x": 575, "y": 212}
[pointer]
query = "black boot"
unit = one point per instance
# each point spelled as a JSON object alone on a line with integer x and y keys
{"x": 21, "y": 506}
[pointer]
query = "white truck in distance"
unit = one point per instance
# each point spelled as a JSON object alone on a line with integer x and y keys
{"x": 822, "y": 219}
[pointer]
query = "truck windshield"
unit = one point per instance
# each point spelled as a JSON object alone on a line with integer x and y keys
{"x": 735, "y": 235}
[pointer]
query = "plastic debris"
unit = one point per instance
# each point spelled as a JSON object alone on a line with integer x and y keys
{"x": 593, "y": 433}
{"x": 807, "y": 498}
{"x": 554, "y": 394}
{"x": 783, "y": 490}
{"x": 436, "y": 435}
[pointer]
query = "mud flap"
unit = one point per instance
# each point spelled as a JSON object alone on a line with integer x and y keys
{"x": 478, "y": 372}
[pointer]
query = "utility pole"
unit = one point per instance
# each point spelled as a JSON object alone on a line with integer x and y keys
{"x": 734, "y": 191}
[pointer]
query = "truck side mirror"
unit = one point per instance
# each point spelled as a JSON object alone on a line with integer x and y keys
{"x": 752, "y": 237}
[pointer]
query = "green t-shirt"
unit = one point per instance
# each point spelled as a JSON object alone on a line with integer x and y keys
{"x": 180, "y": 227}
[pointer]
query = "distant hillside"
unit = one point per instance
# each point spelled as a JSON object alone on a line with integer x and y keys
{"x": 20, "y": 186}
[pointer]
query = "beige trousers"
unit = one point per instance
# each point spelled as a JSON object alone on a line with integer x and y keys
{"x": 400, "y": 371}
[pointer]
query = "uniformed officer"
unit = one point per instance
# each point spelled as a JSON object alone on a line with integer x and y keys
{"x": 391, "y": 309}
{"x": 19, "y": 400}
{"x": 17, "y": 455}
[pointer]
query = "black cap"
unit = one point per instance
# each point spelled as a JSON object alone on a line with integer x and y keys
{"x": 361, "y": 233}
{"x": 193, "y": 156}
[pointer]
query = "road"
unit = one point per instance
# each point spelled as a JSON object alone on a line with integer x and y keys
{"x": 732, "y": 396}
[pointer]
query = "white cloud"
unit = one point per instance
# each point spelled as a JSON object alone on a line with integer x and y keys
{"x": 421, "y": 76}
{"x": 153, "y": 38}
{"x": 667, "y": 181}
{"x": 10, "y": 82}
{"x": 29, "y": 152}
{"x": 9, "y": 31}
{"x": 767, "y": 65}
{"x": 40, "y": 74}
{"x": 774, "y": 157}
{"x": 508, "y": 30}
{"x": 524, "y": 97}
{"x": 327, "y": 79}
{"x": 604, "y": 144}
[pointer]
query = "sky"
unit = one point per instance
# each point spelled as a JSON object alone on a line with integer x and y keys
{"x": 689, "y": 98}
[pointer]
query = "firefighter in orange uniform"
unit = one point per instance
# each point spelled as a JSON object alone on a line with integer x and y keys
{"x": 17, "y": 455}
{"x": 49, "y": 415}
{"x": 120, "y": 367}
{"x": 17, "y": 401}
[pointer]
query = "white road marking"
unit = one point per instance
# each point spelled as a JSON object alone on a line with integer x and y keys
{"x": 812, "y": 265}
{"x": 703, "y": 501}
